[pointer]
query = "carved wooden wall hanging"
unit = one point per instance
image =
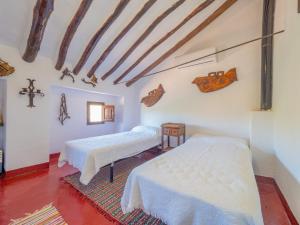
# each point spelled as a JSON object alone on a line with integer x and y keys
{"x": 216, "y": 80}
{"x": 41, "y": 14}
{"x": 153, "y": 96}
{"x": 63, "y": 111}
{"x": 31, "y": 92}
{"x": 5, "y": 69}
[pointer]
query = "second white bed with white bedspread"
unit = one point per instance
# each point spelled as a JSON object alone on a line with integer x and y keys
{"x": 206, "y": 181}
{"x": 90, "y": 154}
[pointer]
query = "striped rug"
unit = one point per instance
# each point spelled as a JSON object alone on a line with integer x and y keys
{"x": 106, "y": 196}
{"x": 46, "y": 216}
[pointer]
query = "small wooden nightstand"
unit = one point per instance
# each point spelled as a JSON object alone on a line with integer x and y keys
{"x": 174, "y": 130}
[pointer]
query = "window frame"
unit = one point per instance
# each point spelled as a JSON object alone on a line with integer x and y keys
{"x": 111, "y": 108}
{"x": 89, "y": 104}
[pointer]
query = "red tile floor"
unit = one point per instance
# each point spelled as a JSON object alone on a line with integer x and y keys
{"x": 28, "y": 193}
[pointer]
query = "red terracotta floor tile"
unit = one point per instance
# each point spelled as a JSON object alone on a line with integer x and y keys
{"x": 272, "y": 208}
{"x": 27, "y": 194}
{"x": 31, "y": 192}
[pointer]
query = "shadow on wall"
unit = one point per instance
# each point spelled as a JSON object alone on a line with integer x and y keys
{"x": 263, "y": 161}
{"x": 193, "y": 129}
{"x": 290, "y": 187}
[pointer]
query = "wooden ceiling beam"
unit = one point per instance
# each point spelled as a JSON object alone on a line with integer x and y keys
{"x": 71, "y": 30}
{"x": 98, "y": 35}
{"x": 227, "y": 4}
{"x": 146, "y": 33}
{"x": 137, "y": 17}
{"x": 195, "y": 12}
{"x": 41, "y": 14}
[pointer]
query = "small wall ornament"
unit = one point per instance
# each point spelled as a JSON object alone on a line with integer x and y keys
{"x": 68, "y": 73}
{"x": 153, "y": 96}
{"x": 31, "y": 92}
{"x": 93, "y": 81}
{"x": 63, "y": 112}
{"x": 215, "y": 80}
{"x": 5, "y": 68}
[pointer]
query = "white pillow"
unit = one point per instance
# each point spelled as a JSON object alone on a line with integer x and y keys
{"x": 218, "y": 139}
{"x": 147, "y": 129}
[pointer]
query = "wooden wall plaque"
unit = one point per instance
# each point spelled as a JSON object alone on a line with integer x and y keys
{"x": 5, "y": 69}
{"x": 216, "y": 80}
{"x": 153, "y": 96}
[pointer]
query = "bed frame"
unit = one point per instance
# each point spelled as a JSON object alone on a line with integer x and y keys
{"x": 111, "y": 169}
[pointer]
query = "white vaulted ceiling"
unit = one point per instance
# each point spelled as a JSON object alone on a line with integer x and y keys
{"x": 16, "y": 17}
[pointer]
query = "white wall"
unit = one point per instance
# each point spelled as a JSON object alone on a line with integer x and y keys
{"x": 261, "y": 142}
{"x": 286, "y": 104}
{"x": 76, "y": 127}
{"x": 28, "y": 129}
{"x": 227, "y": 111}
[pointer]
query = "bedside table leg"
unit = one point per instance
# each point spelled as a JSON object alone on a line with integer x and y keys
{"x": 162, "y": 142}
{"x": 111, "y": 175}
{"x": 178, "y": 140}
{"x": 168, "y": 141}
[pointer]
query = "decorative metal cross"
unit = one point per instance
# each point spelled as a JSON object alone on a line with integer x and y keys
{"x": 30, "y": 91}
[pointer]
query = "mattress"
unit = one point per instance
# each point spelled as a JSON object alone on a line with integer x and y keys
{"x": 90, "y": 154}
{"x": 208, "y": 180}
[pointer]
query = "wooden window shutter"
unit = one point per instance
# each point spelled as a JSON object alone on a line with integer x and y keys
{"x": 109, "y": 113}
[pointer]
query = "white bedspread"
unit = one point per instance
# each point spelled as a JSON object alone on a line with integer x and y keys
{"x": 90, "y": 154}
{"x": 206, "y": 181}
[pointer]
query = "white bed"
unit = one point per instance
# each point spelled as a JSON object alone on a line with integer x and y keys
{"x": 90, "y": 154}
{"x": 208, "y": 180}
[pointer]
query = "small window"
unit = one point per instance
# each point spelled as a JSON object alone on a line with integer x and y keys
{"x": 95, "y": 113}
